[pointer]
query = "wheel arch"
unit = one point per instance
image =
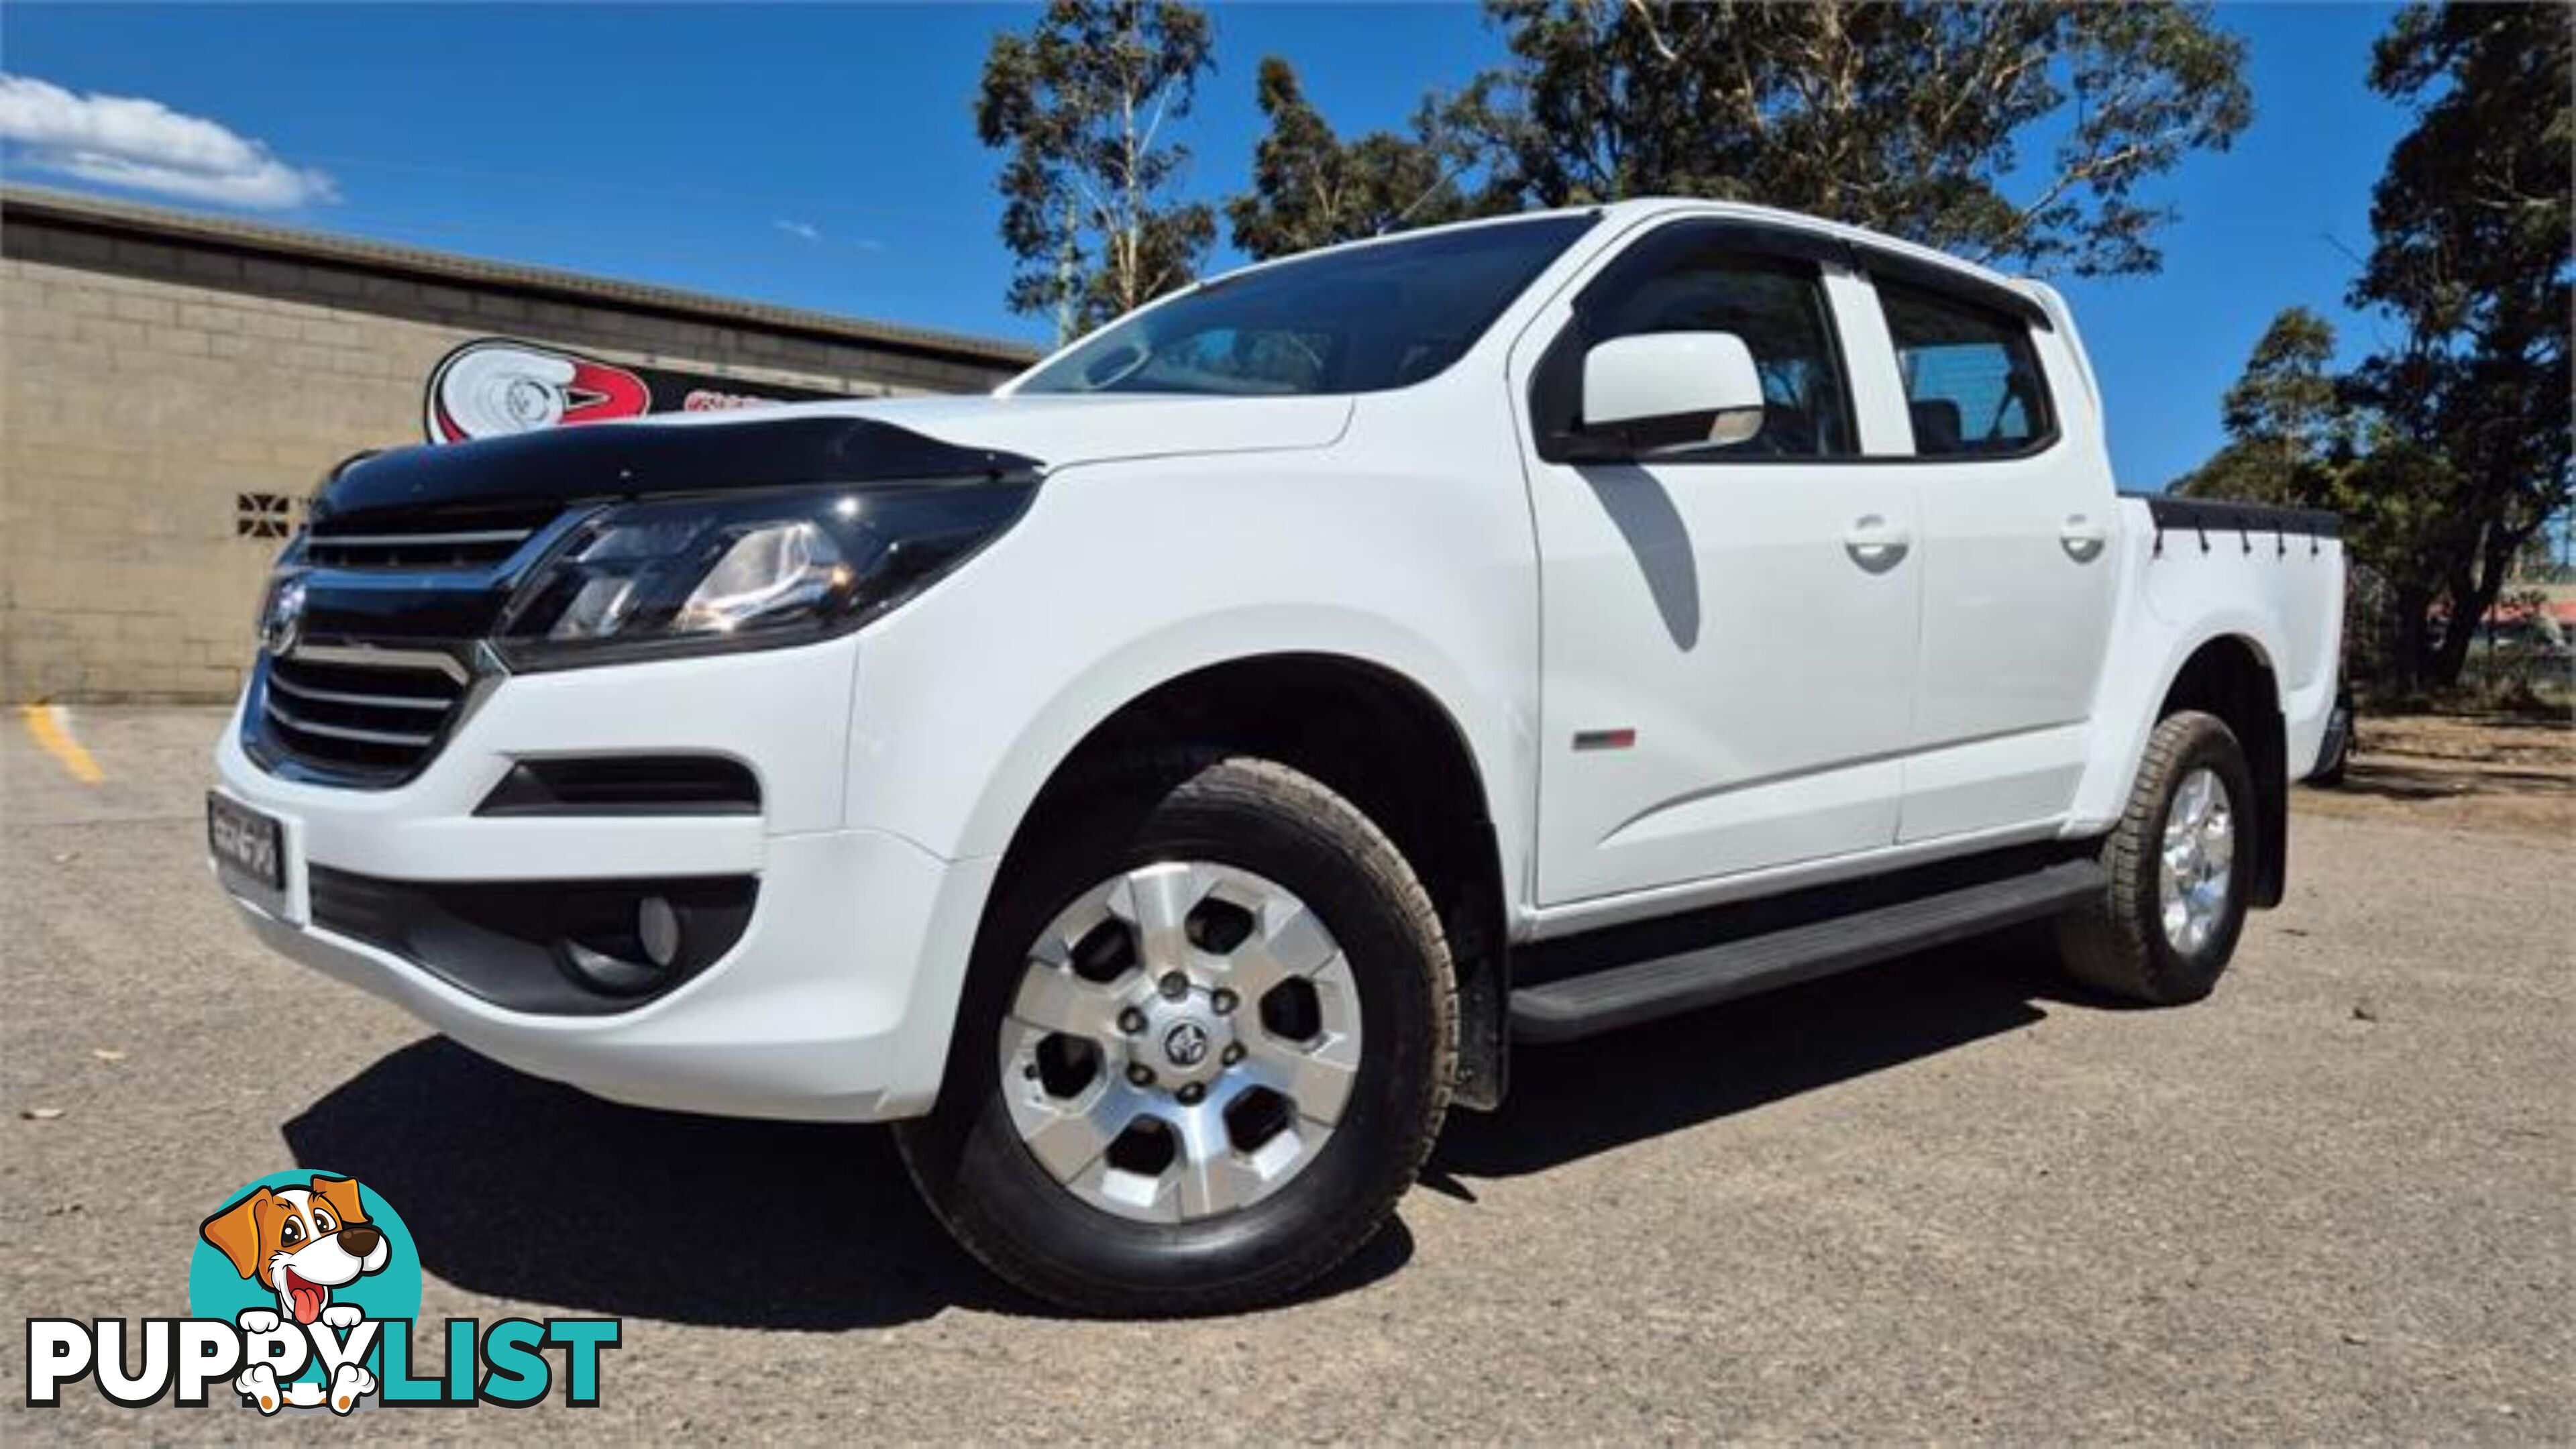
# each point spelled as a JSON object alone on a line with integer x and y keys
{"x": 2231, "y": 676}
{"x": 1380, "y": 737}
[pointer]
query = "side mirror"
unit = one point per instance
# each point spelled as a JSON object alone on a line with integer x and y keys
{"x": 1668, "y": 390}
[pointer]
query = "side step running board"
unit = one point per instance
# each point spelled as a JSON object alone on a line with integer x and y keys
{"x": 1642, "y": 991}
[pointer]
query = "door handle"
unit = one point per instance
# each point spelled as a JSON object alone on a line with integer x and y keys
{"x": 1875, "y": 544}
{"x": 2082, "y": 540}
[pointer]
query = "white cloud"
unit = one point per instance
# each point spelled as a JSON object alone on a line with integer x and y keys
{"x": 146, "y": 146}
{"x": 812, "y": 235}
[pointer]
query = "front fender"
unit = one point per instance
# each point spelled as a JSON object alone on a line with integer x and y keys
{"x": 968, "y": 698}
{"x": 1089, "y": 697}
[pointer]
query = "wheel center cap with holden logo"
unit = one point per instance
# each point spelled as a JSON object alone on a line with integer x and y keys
{"x": 1186, "y": 1044}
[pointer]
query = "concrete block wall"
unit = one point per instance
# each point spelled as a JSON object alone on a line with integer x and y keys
{"x": 146, "y": 386}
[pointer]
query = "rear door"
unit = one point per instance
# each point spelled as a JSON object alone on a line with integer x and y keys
{"x": 1729, "y": 634}
{"x": 2017, "y": 541}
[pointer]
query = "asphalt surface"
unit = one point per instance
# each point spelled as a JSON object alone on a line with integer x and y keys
{"x": 1948, "y": 1198}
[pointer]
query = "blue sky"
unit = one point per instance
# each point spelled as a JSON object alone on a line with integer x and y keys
{"x": 825, "y": 157}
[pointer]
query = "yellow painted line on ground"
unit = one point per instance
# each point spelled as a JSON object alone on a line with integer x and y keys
{"x": 51, "y": 730}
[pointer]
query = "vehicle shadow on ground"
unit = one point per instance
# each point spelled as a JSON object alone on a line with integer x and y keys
{"x": 1569, "y": 1102}
{"x": 2443, "y": 780}
{"x": 527, "y": 1190}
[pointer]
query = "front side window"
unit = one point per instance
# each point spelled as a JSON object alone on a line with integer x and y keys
{"x": 1275, "y": 360}
{"x": 1676, "y": 281}
{"x": 1360, "y": 319}
{"x": 1972, "y": 380}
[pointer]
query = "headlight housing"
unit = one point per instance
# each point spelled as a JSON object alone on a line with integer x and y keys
{"x": 744, "y": 571}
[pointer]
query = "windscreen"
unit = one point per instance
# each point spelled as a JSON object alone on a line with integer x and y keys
{"x": 1357, "y": 320}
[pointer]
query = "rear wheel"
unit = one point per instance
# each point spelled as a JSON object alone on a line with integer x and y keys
{"x": 1206, "y": 1043}
{"x": 2337, "y": 755}
{"x": 2167, "y": 924}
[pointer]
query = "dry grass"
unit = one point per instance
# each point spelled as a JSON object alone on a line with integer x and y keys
{"x": 2467, "y": 772}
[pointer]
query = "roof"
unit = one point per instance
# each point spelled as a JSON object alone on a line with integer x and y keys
{"x": 95, "y": 214}
{"x": 2505, "y": 610}
{"x": 1778, "y": 216}
{"x": 1891, "y": 256}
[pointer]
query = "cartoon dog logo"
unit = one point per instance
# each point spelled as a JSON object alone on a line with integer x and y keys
{"x": 300, "y": 1243}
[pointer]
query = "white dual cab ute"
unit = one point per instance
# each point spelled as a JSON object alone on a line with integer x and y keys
{"x": 1164, "y": 786}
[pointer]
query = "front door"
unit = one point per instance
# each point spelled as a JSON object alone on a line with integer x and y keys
{"x": 1729, "y": 634}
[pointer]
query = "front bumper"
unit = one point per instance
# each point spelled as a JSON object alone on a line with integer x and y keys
{"x": 834, "y": 1004}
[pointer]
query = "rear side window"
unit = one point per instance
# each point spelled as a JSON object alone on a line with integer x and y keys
{"x": 1972, "y": 381}
{"x": 1776, "y": 306}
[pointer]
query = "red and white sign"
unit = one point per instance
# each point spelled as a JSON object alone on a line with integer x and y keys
{"x": 496, "y": 386}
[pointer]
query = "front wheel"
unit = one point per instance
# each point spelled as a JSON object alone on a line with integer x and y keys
{"x": 1206, "y": 1042}
{"x": 2180, "y": 871}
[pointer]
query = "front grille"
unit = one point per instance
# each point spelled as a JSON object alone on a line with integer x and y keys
{"x": 445, "y": 540}
{"x": 361, "y": 715}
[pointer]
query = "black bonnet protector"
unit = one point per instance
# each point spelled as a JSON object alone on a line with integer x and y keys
{"x": 524, "y": 482}
{"x": 600, "y": 462}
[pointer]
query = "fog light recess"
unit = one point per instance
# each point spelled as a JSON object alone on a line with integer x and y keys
{"x": 609, "y": 965}
{"x": 564, "y": 947}
{"x": 657, "y": 927}
{"x": 612, "y": 974}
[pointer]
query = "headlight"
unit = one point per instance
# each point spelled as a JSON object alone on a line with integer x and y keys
{"x": 748, "y": 571}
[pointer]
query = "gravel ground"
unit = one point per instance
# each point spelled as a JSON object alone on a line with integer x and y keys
{"x": 1948, "y": 1198}
{"x": 2508, "y": 774}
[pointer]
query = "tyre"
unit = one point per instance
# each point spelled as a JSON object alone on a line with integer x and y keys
{"x": 2180, "y": 866}
{"x": 1206, "y": 1041}
{"x": 2329, "y": 772}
